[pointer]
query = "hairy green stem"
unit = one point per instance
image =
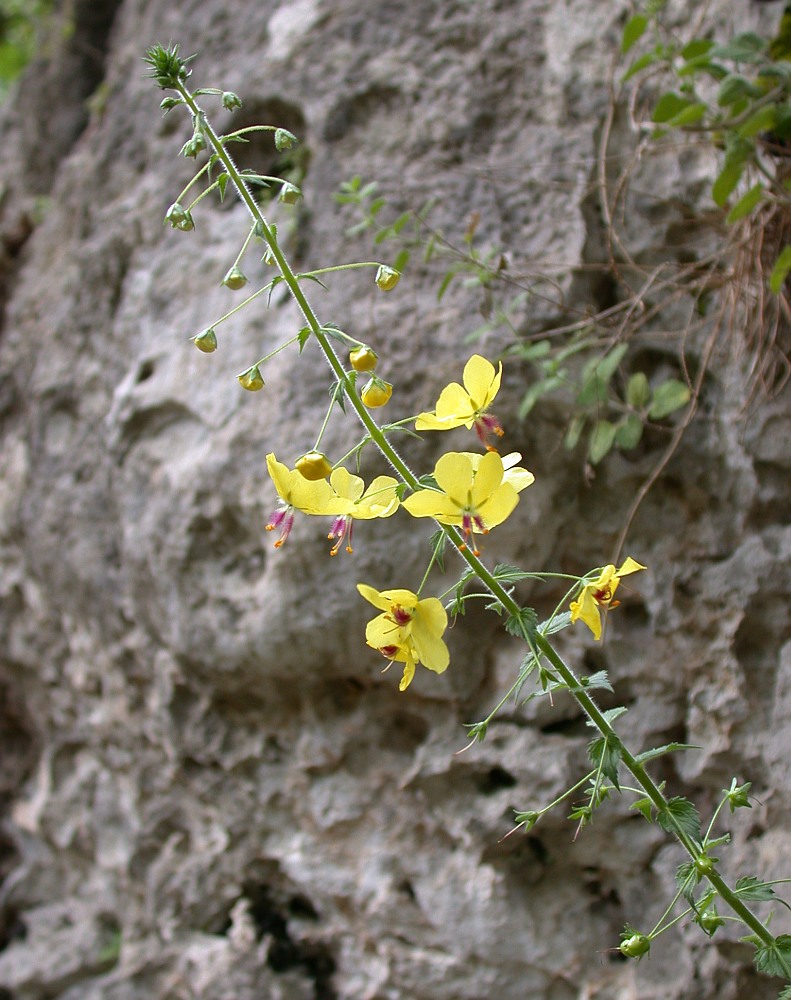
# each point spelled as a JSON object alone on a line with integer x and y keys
{"x": 535, "y": 640}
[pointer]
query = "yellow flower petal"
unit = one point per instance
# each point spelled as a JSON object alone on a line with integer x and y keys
{"x": 630, "y": 566}
{"x": 347, "y": 486}
{"x": 498, "y": 506}
{"x": 481, "y": 382}
{"x": 488, "y": 477}
{"x": 454, "y": 475}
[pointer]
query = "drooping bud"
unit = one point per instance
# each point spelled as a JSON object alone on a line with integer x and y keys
{"x": 194, "y": 146}
{"x": 179, "y": 217}
{"x": 235, "y": 278}
{"x": 313, "y": 466}
{"x": 167, "y": 103}
{"x": 363, "y": 359}
{"x": 206, "y": 341}
{"x": 231, "y": 101}
{"x": 387, "y": 277}
{"x": 635, "y": 946}
{"x": 284, "y": 139}
{"x": 376, "y": 392}
{"x": 290, "y": 193}
{"x": 252, "y": 380}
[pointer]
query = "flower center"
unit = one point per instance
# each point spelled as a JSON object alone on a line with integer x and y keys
{"x": 282, "y": 518}
{"x": 400, "y": 615}
{"x": 341, "y": 529}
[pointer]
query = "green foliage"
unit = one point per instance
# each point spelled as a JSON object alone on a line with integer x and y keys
{"x": 747, "y": 117}
{"x": 21, "y": 22}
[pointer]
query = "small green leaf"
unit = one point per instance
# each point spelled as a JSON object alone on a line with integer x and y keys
{"x": 680, "y": 814}
{"x": 633, "y": 31}
{"x": 780, "y": 270}
{"x": 639, "y": 64}
{"x": 601, "y": 441}
{"x": 774, "y": 959}
{"x": 747, "y": 48}
{"x": 401, "y": 260}
{"x": 638, "y": 391}
{"x": 697, "y": 48}
{"x": 600, "y": 681}
{"x": 750, "y": 887}
{"x": 629, "y": 432}
{"x": 606, "y": 753}
{"x": 669, "y": 396}
{"x": 574, "y": 431}
{"x": 689, "y": 115}
{"x": 761, "y": 121}
{"x": 746, "y": 203}
{"x": 522, "y": 624}
{"x": 659, "y": 751}
{"x": 735, "y": 88}
{"x": 536, "y": 391}
{"x": 303, "y": 336}
{"x": 645, "y": 808}
{"x": 668, "y": 106}
{"x": 726, "y": 181}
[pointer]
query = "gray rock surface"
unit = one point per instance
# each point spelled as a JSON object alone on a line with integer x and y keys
{"x": 208, "y": 787}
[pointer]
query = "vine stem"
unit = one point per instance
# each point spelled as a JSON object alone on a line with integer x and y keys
{"x": 534, "y": 639}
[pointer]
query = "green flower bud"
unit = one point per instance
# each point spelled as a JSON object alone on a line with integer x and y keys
{"x": 234, "y": 278}
{"x": 284, "y": 139}
{"x": 195, "y": 145}
{"x": 170, "y": 102}
{"x": 363, "y": 359}
{"x": 387, "y": 277}
{"x": 252, "y": 380}
{"x": 635, "y": 946}
{"x": 704, "y": 865}
{"x": 231, "y": 101}
{"x": 206, "y": 341}
{"x": 179, "y": 217}
{"x": 376, "y": 392}
{"x": 290, "y": 194}
{"x": 711, "y": 921}
{"x": 314, "y": 466}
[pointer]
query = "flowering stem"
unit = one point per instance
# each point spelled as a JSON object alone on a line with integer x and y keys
{"x": 535, "y": 640}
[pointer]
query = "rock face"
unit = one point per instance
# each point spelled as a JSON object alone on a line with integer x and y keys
{"x": 208, "y": 788}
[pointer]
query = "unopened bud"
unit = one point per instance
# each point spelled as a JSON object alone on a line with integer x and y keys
{"x": 231, "y": 101}
{"x": 206, "y": 341}
{"x": 179, "y": 217}
{"x": 635, "y": 946}
{"x": 363, "y": 359}
{"x": 387, "y": 277}
{"x": 252, "y": 380}
{"x": 235, "y": 278}
{"x": 195, "y": 145}
{"x": 290, "y": 194}
{"x": 170, "y": 102}
{"x": 284, "y": 139}
{"x": 314, "y": 466}
{"x": 376, "y": 392}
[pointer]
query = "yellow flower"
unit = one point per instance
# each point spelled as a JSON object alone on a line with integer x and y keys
{"x": 599, "y": 593}
{"x": 296, "y": 493}
{"x": 350, "y": 501}
{"x": 476, "y": 492}
{"x": 313, "y": 465}
{"x": 467, "y": 406}
{"x": 409, "y": 631}
{"x": 376, "y": 392}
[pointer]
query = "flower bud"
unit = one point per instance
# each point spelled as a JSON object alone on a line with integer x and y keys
{"x": 195, "y": 145}
{"x": 363, "y": 359}
{"x": 231, "y": 101}
{"x": 284, "y": 139}
{"x": 387, "y": 277}
{"x": 290, "y": 194}
{"x": 206, "y": 341}
{"x": 376, "y": 392}
{"x": 314, "y": 466}
{"x": 635, "y": 946}
{"x": 252, "y": 379}
{"x": 179, "y": 217}
{"x": 170, "y": 102}
{"x": 235, "y": 278}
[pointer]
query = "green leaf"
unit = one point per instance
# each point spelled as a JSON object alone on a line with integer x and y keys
{"x": 629, "y": 432}
{"x": 696, "y": 48}
{"x": 555, "y": 624}
{"x": 601, "y": 440}
{"x": 222, "y": 184}
{"x": 735, "y": 88}
{"x": 522, "y": 624}
{"x": 774, "y": 959}
{"x": 633, "y": 31}
{"x": 680, "y": 814}
{"x": 443, "y": 286}
{"x": 606, "y": 753}
{"x": 438, "y": 541}
{"x": 506, "y": 573}
{"x": 536, "y": 391}
{"x": 303, "y": 337}
{"x": 659, "y": 751}
{"x": 638, "y": 391}
{"x": 689, "y": 115}
{"x": 600, "y": 681}
{"x": 643, "y": 61}
{"x": 668, "y": 106}
{"x": 761, "y": 121}
{"x": 747, "y": 48}
{"x": 687, "y": 879}
{"x": 750, "y": 887}
{"x": 780, "y": 270}
{"x": 746, "y": 203}
{"x": 401, "y": 260}
{"x": 645, "y": 807}
{"x": 726, "y": 181}
{"x": 669, "y": 396}
{"x": 574, "y": 431}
